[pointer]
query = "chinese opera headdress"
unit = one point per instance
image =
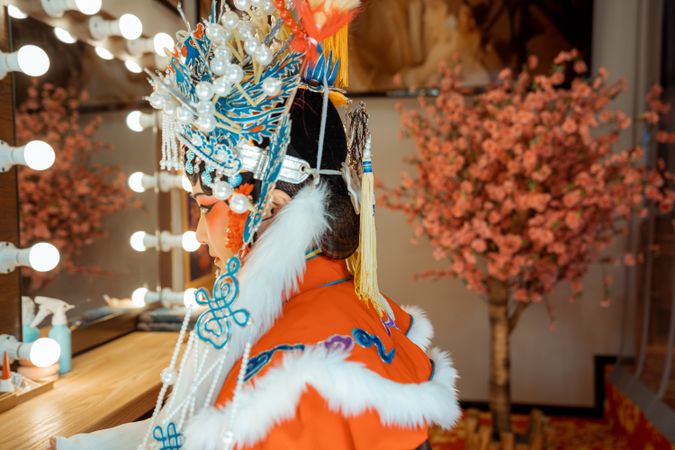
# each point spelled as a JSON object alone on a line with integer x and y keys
{"x": 233, "y": 88}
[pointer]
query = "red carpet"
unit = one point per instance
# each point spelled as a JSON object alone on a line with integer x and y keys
{"x": 570, "y": 433}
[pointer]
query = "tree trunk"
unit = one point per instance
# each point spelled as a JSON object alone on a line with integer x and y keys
{"x": 500, "y": 366}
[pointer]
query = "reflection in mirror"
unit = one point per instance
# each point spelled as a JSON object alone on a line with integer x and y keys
{"x": 82, "y": 204}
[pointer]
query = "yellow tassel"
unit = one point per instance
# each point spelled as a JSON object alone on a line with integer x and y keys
{"x": 339, "y": 45}
{"x": 364, "y": 262}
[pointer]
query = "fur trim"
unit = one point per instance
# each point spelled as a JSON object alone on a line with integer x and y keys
{"x": 421, "y": 331}
{"x": 296, "y": 229}
{"x": 348, "y": 387}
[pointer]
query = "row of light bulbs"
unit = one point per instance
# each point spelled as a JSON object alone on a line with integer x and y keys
{"x": 167, "y": 297}
{"x": 36, "y": 154}
{"x": 127, "y": 26}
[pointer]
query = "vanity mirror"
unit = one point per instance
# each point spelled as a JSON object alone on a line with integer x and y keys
{"x": 88, "y": 108}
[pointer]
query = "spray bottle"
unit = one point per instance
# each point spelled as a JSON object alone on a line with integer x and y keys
{"x": 59, "y": 331}
{"x": 29, "y": 332}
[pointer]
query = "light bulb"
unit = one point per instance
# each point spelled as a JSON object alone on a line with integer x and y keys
{"x": 132, "y": 66}
{"x": 88, "y": 7}
{"x": 185, "y": 181}
{"x": 39, "y": 155}
{"x": 64, "y": 35}
{"x": 189, "y": 298}
{"x": 131, "y": 26}
{"x": 137, "y": 241}
{"x": 138, "y": 297}
{"x": 43, "y": 257}
{"x": 16, "y": 13}
{"x": 162, "y": 41}
{"x": 33, "y": 60}
{"x": 103, "y": 53}
{"x": 190, "y": 242}
{"x": 135, "y": 182}
{"x": 134, "y": 121}
{"x": 44, "y": 352}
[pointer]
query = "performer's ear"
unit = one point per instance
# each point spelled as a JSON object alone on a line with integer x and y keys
{"x": 279, "y": 200}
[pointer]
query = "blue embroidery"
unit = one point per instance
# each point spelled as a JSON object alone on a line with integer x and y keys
{"x": 332, "y": 283}
{"x": 433, "y": 369}
{"x": 172, "y": 440}
{"x": 259, "y": 361}
{"x": 367, "y": 340}
{"x": 412, "y": 319}
{"x": 336, "y": 342}
{"x": 213, "y": 326}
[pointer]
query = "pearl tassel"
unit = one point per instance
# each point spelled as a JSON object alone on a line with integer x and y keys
{"x": 165, "y": 386}
{"x": 228, "y": 440}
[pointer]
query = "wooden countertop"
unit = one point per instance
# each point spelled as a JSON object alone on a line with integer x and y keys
{"x": 110, "y": 385}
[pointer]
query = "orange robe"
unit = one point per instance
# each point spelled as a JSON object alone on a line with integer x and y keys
{"x": 326, "y": 307}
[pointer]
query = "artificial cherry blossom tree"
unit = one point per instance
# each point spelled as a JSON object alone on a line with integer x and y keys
{"x": 521, "y": 187}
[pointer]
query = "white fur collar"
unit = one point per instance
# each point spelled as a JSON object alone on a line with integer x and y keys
{"x": 271, "y": 271}
{"x": 348, "y": 387}
{"x": 420, "y": 331}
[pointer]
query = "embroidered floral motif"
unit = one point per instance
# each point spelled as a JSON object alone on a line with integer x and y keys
{"x": 172, "y": 440}
{"x": 214, "y": 326}
{"x": 367, "y": 340}
{"x": 338, "y": 342}
{"x": 389, "y": 324}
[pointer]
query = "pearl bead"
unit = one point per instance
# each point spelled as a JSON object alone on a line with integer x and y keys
{"x": 222, "y": 53}
{"x": 216, "y": 33}
{"x": 244, "y": 30}
{"x": 230, "y": 20}
{"x": 234, "y": 73}
{"x": 170, "y": 107}
{"x": 204, "y": 90}
{"x": 268, "y": 7}
{"x": 157, "y": 100}
{"x": 239, "y": 203}
{"x": 242, "y": 4}
{"x": 183, "y": 114}
{"x": 168, "y": 376}
{"x": 251, "y": 45}
{"x": 218, "y": 66}
{"x": 222, "y": 190}
{"x": 205, "y": 108}
{"x": 256, "y": 3}
{"x": 222, "y": 86}
{"x": 272, "y": 86}
{"x": 263, "y": 55}
{"x": 206, "y": 123}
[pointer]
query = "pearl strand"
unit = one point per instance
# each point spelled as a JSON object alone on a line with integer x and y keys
{"x": 181, "y": 374}
{"x": 228, "y": 441}
{"x": 165, "y": 386}
{"x": 212, "y": 389}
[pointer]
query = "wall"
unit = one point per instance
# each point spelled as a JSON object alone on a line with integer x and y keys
{"x": 548, "y": 367}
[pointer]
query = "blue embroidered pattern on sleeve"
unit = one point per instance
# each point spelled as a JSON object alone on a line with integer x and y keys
{"x": 171, "y": 440}
{"x": 259, "y": 361}
{"x": 367, "y": 340}
{"x": 214, "y": 325}
{"x": 336, "y": 342}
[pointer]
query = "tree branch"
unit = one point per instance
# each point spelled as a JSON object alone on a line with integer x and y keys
{"x": 515, "y": 315}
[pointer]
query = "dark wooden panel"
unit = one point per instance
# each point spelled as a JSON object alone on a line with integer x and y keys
{"x": 10, "y": 297}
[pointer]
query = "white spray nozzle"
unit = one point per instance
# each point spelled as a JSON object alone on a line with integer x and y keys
{"x": 53, "y": 306}
{"x": 27, "y": 309}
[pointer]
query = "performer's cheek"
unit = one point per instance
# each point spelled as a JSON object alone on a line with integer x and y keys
{"x": 216, "y": 221}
